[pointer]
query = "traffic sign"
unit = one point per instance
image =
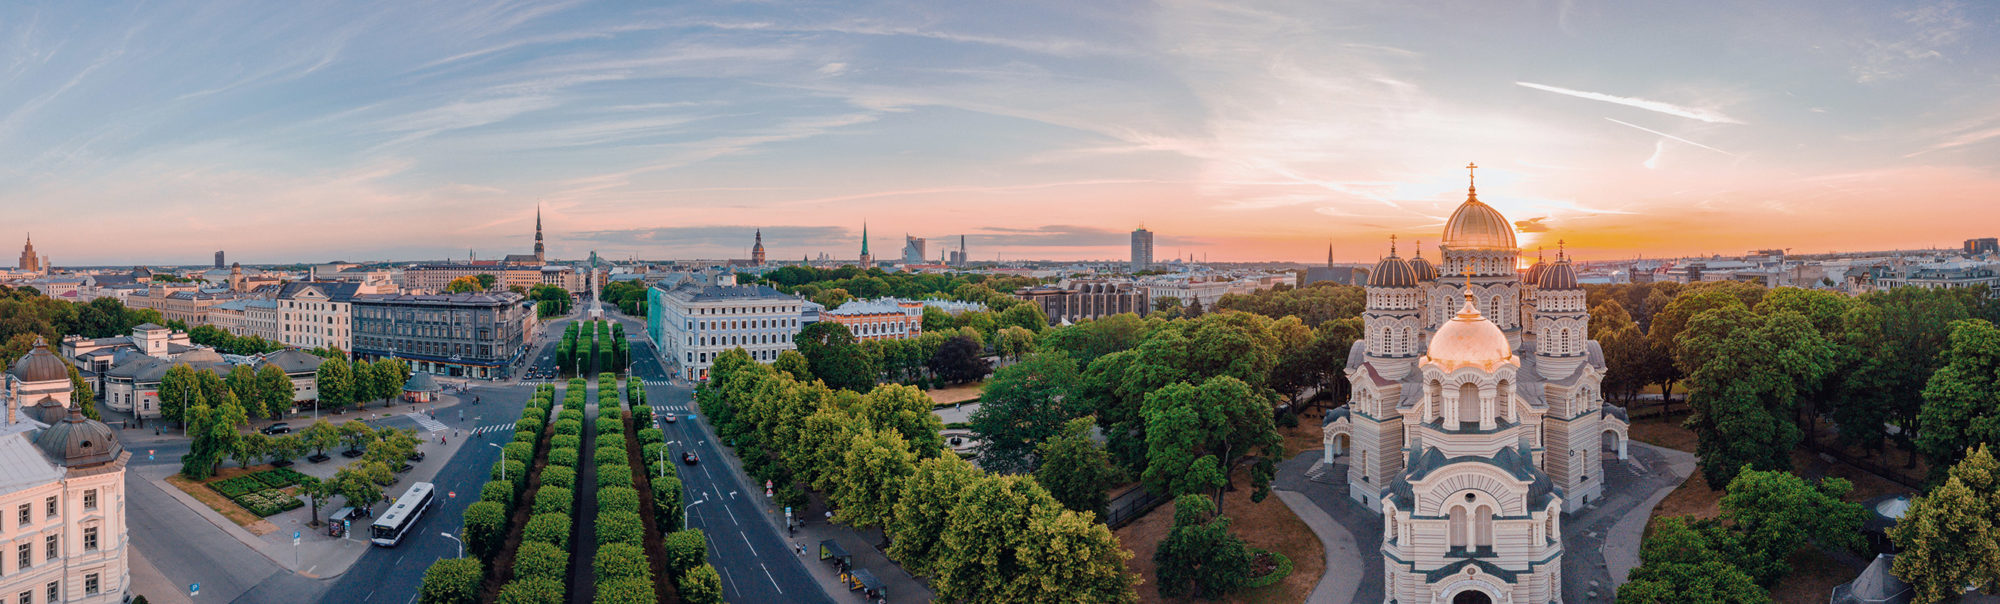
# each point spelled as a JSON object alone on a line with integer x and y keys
{"x": 194, "y": 589}
{"x": 295, "y": 537}
{"x": 451, "y": 494}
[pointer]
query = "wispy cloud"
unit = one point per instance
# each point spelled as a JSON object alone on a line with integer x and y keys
{"x": 1666, "y": 136}
{"x": 1713, "y": 117}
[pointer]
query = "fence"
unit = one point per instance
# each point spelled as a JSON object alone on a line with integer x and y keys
{"x": 1132, "y": 504}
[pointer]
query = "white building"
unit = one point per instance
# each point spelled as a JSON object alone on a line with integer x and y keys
{"x": 62, "y": 500}
{"x": 691, "y": 323}
{"x": 1473, "y": 432}
{"x": 317, "y": 314}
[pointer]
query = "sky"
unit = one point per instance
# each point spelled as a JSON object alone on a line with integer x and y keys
{"x": 160, "y": 132}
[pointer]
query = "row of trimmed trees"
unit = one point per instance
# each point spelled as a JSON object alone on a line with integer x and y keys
{"x": 881, "y": 462}
{"x": 592, "y": 347}
{"x": 516, "y": 535}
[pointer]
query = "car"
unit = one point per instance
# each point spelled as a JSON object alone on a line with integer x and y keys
{"x": 351, "y": 453}
{"x": 278, "y": 428}
{"x": 690, "y": 458}
{"x": 318, "y": 457}
{"x": 671, "y": 418}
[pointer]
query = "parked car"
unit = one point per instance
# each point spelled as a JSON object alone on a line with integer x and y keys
{"x": 671, "y": 418}
{"x": 689, "y": 458}
{"x": 278, "y": 428}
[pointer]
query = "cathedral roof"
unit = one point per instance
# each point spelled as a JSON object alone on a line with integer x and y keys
{"x": 1469, "y": 340}
{"x": 40, "y": 365}
{"x": 1425, "y": 271}
{"x": 79, "y": 441}
{"x": 1477, "y": 225}
{"x": 1534, "y": 276}
{"x": 1559, "y": 276}
{"x": 1392, "y": 272}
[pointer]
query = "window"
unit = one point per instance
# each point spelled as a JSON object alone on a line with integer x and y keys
{"x": 49, "y": 547}
{"x": 90, "y": 539}
{"x": 90, "y": 584}
{"x": 24, "y": 515}
{"x": 27, "y": 597}
{"x": 55, "y": 591}
{"x": 90, "y": 499}
{"x": 26, "y": 553}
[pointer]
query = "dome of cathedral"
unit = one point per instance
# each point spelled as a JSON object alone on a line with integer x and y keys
{"x": 48, "y": 410}
{"x": 1392, "y": 272}
{"x": 1534, "y": 276}
{"x": 1425, "y": 271}
{"x": 1469, "y": 339}
{"x": 1559, "y": 276}
{"x": 79, "y": 441}
{"x": 1477, "y": 225}
{"x": 39, "y": 365}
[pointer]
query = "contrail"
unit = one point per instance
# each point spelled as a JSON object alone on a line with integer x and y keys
{"x": 1667, "y": 108}
{"x": 1671, "y": 136}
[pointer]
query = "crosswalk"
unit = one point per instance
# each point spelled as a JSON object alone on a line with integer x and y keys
{"x": 426, "y": 422}
{"x": 506, "y": 427}
{"x": 670, "y": 409}
{"x": 657, "y": 382}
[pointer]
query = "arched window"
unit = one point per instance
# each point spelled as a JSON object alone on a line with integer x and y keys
{"x": 1437, "y": 400}
{"x": 1457, "y": 528}
{"x": 1484, "y": 518}
{"x": 1468, "y": 403}
{"x": 1384, "y": 348}
{"x": 1565, "y": 341}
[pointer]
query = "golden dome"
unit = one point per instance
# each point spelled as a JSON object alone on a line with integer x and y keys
{"x": 1469, "y": 340}
{"x": 1477, "y": 225}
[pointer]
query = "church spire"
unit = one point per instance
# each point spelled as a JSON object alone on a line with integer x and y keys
{"x": 539, "y": 257}
{"x": 1471, "y": 181}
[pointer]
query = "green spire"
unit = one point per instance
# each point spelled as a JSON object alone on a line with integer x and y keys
{"x": 864, "y": 237}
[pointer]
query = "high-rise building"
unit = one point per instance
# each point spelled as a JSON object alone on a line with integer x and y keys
{"x": 1142, "y": 249}
{"x": 1984, "y": 245}
{"x": 913, "y": 250}
{"x": 218, "y": 259}
{"x": 757, "y": 251}
{"x": 29, "y": 261}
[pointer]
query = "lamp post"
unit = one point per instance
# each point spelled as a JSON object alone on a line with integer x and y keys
{"x": 503, "y": 459}
{"x": 461, "y": 544}
{"x": 690, "y": 508}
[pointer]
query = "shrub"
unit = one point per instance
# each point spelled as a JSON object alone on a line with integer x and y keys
{"x": 532, "y": 426}
{"x": 499, "y": 491}
{"x": 617, "y": 499}
{"x": 552, "y": 529}
{"x": 569, "y": 427}
{"x": 565, "y": 441}
{"x": 621, "y": 560}
{"x": 612, "y": 439}
{"x": 554, "y": 500}
{"x": 628, "y": 590}
{"x": 614, "y": 476}
{"x": 519, "y": 451}
{"x": 1281, "y": 568}
{"x": 651, "y": 435}
{"x": 610, "y": 455}
{"x": 452, "y": 581}
{"x": 610, "y": 425}
{"x": 620, "y": 527}
{"x": 558, "y": 476}
{"x": 485, "y": 527}
{"x": 652, "y": 451}
{"x": 667, "y": 503}
{"x": 531, "y": 591}
{"x": 574, "y": 414}
{"x": 562, "y": 457}
{"x": 700, "y": 585}
{"x": 541, "y": 560}
{"x": 517, "y": 472}
{"x": 685, "y": 549}
{"x": 524, "y": 436}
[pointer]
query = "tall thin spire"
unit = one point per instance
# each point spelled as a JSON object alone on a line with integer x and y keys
{"x": 864, "y": 237}
{"x": 539, "y": 256}
{"x": 1329, "y": 253}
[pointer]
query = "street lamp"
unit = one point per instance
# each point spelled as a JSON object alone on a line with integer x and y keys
{"x": 503, "y": 459}
{"x": 690, "y": 508}
{"x": 461, "y": 544}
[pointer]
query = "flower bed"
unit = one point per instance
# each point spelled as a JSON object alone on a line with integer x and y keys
{"x": 1267, "y": 568}
{"x": 261, "y": 493}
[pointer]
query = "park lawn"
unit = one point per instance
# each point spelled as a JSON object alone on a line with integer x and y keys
{"x": 956, "y": 394}
{"x": 222, "y": 505}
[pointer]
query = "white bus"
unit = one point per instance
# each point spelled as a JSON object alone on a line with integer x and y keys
{"x": 389, "y": 530}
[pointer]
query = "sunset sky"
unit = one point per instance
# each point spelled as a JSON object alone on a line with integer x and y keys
{"x": 286, "y": 132}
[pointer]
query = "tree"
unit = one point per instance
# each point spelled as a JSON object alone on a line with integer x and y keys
{"x": 923, "y": 510}
{"x": 794, "y": 364}
{"x": 179, "y": 392}
{"x": 1949, "y": 537}
{"x": 321, "y": 435}
{"x": 1223, "y": 419}
{"x": 960, "y": 360}
{"x": 274, "y": 391}
{"x": 451, "y": 581}
{"x": 1680, "y": 562}
{"x": 1075, "y": 470}
{"x": 1194, "y": 309}
{"x": 875, "y": 463}
{"x": 1962, "y": 401}
{"x": 1746, "y": 374}
{"x": 1024, "y": 404}
{"x": 1776, "y": 513}
{"x": 1201, "y": 560}
{"x": 1009, "y": 541}
{"x": 335, "y": 382}
{"x": 904, "y": 409}
{"x": 685, "y": 549}
{"x": 356, "y": 434}
{"x": 1067, "y": 555}
{"x": 251, "y": 448}
{"x": 462, "y": 285}
{"x": 486, "y": 281}
{"x": 357, "y": 484}
{"x": 834, "y": 358}
{"x": 315, "y": 491}
{"x": 701, "y": 585}
{"x": 81, "y": 393}
{"x": 1013, "y": 341}
{"x": 485, "y": 528}
{"x": 242, "y": 380}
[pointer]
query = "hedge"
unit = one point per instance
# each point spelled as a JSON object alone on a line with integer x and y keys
{"x": 610, "y": 439}
{"x": 499, "y": 491}
{"x": 700, "y": 585}
{"x": 628, "y": 590}
{"x": 569, "y": 427}
{"x": 531, "y": 591}
{"x": 608, "y": 425}
{"x": 653, "y": 452}
{"x": 529, "y": 425}
{"x": 610, "y": 455}
{"x": 621, "y": 560}
{"x": 617, "y": 499}
{"x": 565, "y": 441}
{"x": 515, "y": 472}
{"x": 667, "y": 503}
{"x": 562, "y": 457}
{"x": 485, "y": 527}
{"x": 554, "y": 500}
{"x": 519, "y": 451}
{"x": 652, "y": 435}
{"x": 1282, "y": 569}
{"x": 685, "y": 548}
{"x": 552, "y": 529}
{"x": 451, "y": 581}
{"x": 541, "y": 560}
{"x": 574, "y": 414}
{"x": 558, "y": 476}
{"x": 614, "y": 476}
{"x": 620, "y": 527}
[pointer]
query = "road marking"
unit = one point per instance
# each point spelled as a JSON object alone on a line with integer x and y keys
{"x": 732, "y": 520}
{"x": 732, "y": 580}
{"x": 746, "y": 543}
{"x": 774, "y": 580}
{"x": 495, "y": 428}
{"x": 425, "y": 422}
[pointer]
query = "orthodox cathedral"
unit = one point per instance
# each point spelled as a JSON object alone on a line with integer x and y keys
{"x": 1476, "y": 419}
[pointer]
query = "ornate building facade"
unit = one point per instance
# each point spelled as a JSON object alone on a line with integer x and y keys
{"x": 1476, "y": 418}
{"x": 63, "y": 491}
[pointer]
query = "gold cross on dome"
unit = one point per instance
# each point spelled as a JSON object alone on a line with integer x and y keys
{"x": 1471, "y": 179}
{"x": 1392, "y": 246}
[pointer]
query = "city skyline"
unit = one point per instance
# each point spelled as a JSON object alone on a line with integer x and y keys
{"x": 160, "y": 134}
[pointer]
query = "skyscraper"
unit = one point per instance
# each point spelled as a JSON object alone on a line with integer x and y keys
{"x": 913, "y": 250}
{"x": 29, "y": 261}
{"x": 1142, "y": 249}
{"x": 218, "y": 259}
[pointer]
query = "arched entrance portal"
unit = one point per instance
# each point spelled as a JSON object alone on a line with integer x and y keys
{"x": 1471, "y": 596}
{"x": 1614, "y": 443}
